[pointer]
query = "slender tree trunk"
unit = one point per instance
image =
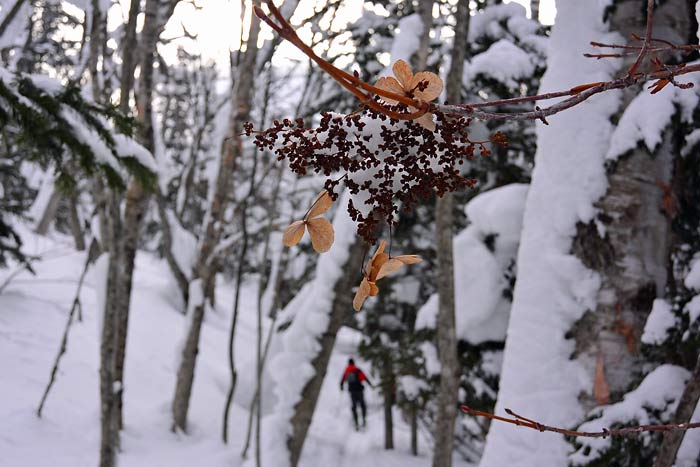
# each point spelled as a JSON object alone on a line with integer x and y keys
{"x": 136, "y": 198}
{"x": 341, "y": 307}
{"x": 414, "y": 431}
{"x": 11, "y": 15}
{"x": 448, "y": 393}
{"x": 75, "y": 307}
{"x": 205, "y": 268}
{"x": 109, "y": 425}
{"x": 128, "y": 57}
{"x": 234, "y": 318}
{"x": 535, "y": 9}
{"x": 76, "y": 228}
{"x": 389, "y": 390}
{"x": 49, "y": 213}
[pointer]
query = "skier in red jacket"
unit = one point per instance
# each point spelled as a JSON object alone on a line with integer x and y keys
{"x": 354, "y": 377}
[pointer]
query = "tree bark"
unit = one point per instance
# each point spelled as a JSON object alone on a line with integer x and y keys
{"x": 128, "y": 57}
{"x": 205, "y": 268}
{"x": 74, "y": 219}
{"x": 49, "y": 213}
{"x": 414, "y": 431}
{"x": 109, "y": 427}
{"x": 342, "y": 304}
{"x": 631, "y": 258}
{"x": 448, "y": 393}
{"x": 389, "y": 390}
{"x": 535, "y": 10}
{"x": 10, "y": 16}
{"x": 136, "y": 198}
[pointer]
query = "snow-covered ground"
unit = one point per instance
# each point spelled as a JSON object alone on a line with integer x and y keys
{"x": 33, "y": 313}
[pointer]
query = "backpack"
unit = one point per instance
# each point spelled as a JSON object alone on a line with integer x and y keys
{"x": 353, "y": 380}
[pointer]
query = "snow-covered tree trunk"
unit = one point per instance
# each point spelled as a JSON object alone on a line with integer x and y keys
{"x": 299, "y": 365}
{"x": 595, "y": 241}
{"x": 447, "y": 398}
{"x": 340, "y": 306}
{"x": 205, "y": 268}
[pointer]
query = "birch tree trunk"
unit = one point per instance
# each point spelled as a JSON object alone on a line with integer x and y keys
{"x": 109, "y": 440}
{"x": 136, "y": 197}
{"x": 448, "y": 393}
{"x": 632, "y": 257}
{"x": 205, "y": 268}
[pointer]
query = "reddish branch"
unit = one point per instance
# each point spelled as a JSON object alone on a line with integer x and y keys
{"x": 519, "y": 420}
{"x": 365, "y": 92}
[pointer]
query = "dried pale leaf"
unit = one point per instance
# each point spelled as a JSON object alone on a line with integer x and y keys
{"x": 389, "y": 267}
{"x": 293, "y": 233}
{"x": 377, "y": 263}
{"x": 321, "y": 204}
{"x": 390, "y": 84}
{"x": 409, "y": 259}
{"x": 361, "y": 294}
{"x": 321, "y": 233}
{"x": 380, "y": 250}
{"x": 426, "y": 121}
{"x": 433, "y": 90}
{"x": 601, "y": 392}
{"x": 373, "y": 289}
{"x": 403, "y": 72}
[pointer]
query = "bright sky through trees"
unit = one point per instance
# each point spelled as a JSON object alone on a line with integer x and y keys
{"x": 217, "y": 24}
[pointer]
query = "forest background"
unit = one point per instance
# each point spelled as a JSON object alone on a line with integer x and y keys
{"x": 150, "y": 315}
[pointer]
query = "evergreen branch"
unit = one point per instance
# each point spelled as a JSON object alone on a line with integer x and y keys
{"x": 56, "y": 124}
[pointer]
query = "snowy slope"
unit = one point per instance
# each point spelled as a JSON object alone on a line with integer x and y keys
{"x": 33, "y": 312}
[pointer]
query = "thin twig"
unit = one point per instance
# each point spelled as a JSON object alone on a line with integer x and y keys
{"x": 519, "y": 420}
{"x": 365, "y": 92}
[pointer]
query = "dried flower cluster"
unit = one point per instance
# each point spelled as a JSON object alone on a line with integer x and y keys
{"x": 385, "y": 163}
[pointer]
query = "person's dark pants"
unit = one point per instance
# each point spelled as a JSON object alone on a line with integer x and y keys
{"x": 358, "y": 398}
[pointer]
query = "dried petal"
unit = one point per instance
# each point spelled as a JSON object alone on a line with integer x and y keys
{"x": 377, "y": 263}
{"x": 373, "y": 289}
{"x": 293, "y": 233}
{"x": 320, "y": 205}
{"x": 390, "y": 84}
{"x": 426, "y": 121}
{"x": 409, "y": 259}
{"x": 361, "y": 295}
{"x": 403, "y": 72}
{"x": 430, "y": 93}
{"x": 321, "y": 233}
{"x": 390, "y": 266}
{"x": 380, "y": 250}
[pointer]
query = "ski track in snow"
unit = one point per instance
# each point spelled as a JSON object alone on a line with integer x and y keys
{"x": 33, "y": 313}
